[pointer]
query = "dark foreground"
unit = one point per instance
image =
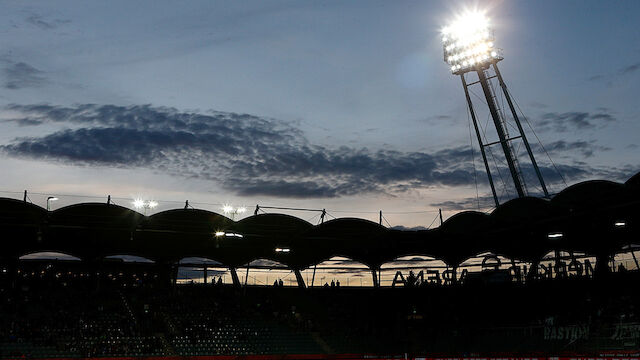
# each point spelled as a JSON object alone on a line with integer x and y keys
{"x": 567, "y": 317}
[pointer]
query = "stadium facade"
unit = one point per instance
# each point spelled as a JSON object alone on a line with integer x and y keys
{"x": 598, "y": 218}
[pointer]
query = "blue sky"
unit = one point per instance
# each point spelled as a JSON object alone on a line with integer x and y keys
{"x": 340, "y": 105}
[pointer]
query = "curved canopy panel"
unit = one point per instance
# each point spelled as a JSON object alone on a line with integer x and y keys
{"x": 463, "y": 235}
{"x": 262, "y": 234}
{"x": 348, "y": 228}
{"x": 398, "y": 243}
{"x": 520, "y": 226}
{"x": 352, "y": 237}
{"x": 188, "y": 220}
{"x": 21, "y": 224}
{"x": 634, "y": 182}
{"x": 271, "y": 226}
{"x": 14, "y": 212}
{"x": 588, "y": 195}
{"x": 92, "y": 229}
{"x": 174, "y": 234}
{"x": 96, "y": 215}
{"x": 466, "y": 222}
{"x": 594, "y": 207}
{"x": 524, "y": 210}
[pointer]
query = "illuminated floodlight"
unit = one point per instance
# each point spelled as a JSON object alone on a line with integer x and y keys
{"x": 555, "y": 235}
{"x": 219, "y": 233}
{"x": 283, "y": 250}
{"x": 468, "y": 43}
{"x": 620, "y": 224}
{"x": 138, "y": 203}
{"x": 227, "y": 209}
{"x": 143, "y": 204}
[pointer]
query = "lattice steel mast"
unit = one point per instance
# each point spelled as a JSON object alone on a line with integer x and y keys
{"x": 469, "y": 48}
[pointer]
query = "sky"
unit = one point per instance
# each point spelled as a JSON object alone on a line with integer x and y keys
{"x": 346, "y": 106}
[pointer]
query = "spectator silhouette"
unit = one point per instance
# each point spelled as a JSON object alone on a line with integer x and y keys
{"x": 411, "y": 279}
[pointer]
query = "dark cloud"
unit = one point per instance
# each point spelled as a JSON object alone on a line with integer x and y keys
{"x": 595, "y": 78}
{"x": 341, "y": 262}
{"x": 610, "y": 77}
{"x": 572, "y": 121}
{"x": 404, "y": 228}
{"x": 440, "y": 119}
{"x": 568, "y": 149}
{"x": 352, "y": 272}
{"x": 245, "y": 154}
{"x": 40, "y": 22}
{"x": 267, "y": 262}
{"x": 630, "y": 69}
{"x": 22, "y": 75}
{"x": 538, "y": 105}
{"x": 480, "y": 203}
{"x": 578, "y": 171}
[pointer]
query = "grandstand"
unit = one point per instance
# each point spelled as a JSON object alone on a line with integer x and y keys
{"x": 533, "y": 277}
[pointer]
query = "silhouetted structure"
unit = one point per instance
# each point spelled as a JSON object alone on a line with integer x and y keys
{"x": 104, "y": 307}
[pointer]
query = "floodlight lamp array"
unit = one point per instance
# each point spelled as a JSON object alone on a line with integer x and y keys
{"x": 468, "y": 44}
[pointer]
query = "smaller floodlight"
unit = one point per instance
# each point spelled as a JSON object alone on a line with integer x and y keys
{"x": 138, "y": 203}
{"x": 282, "y": 250}
{"x": 555, "y": 235}
{"x": 620, "y": 224}
{"x": 227, "y": 209}
{"x": 219, "y": 233}
{"x": 152, "y": 204}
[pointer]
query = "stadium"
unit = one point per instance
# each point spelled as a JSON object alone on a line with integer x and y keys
{"x": 539, "y": 275}
{"x": 553, "y": 277}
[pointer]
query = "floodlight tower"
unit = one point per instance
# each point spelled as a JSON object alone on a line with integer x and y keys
{"x": 468, "y": 45}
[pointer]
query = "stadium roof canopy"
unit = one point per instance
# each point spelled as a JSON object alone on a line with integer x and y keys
{"x": 596, "y": 217}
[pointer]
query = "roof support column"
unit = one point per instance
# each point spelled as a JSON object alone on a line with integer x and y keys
{"x": 300, "y": 280}
{"x": 167, "y": 274}
{"x": 374, "y": 274}
{"x": 234, "y": 277}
